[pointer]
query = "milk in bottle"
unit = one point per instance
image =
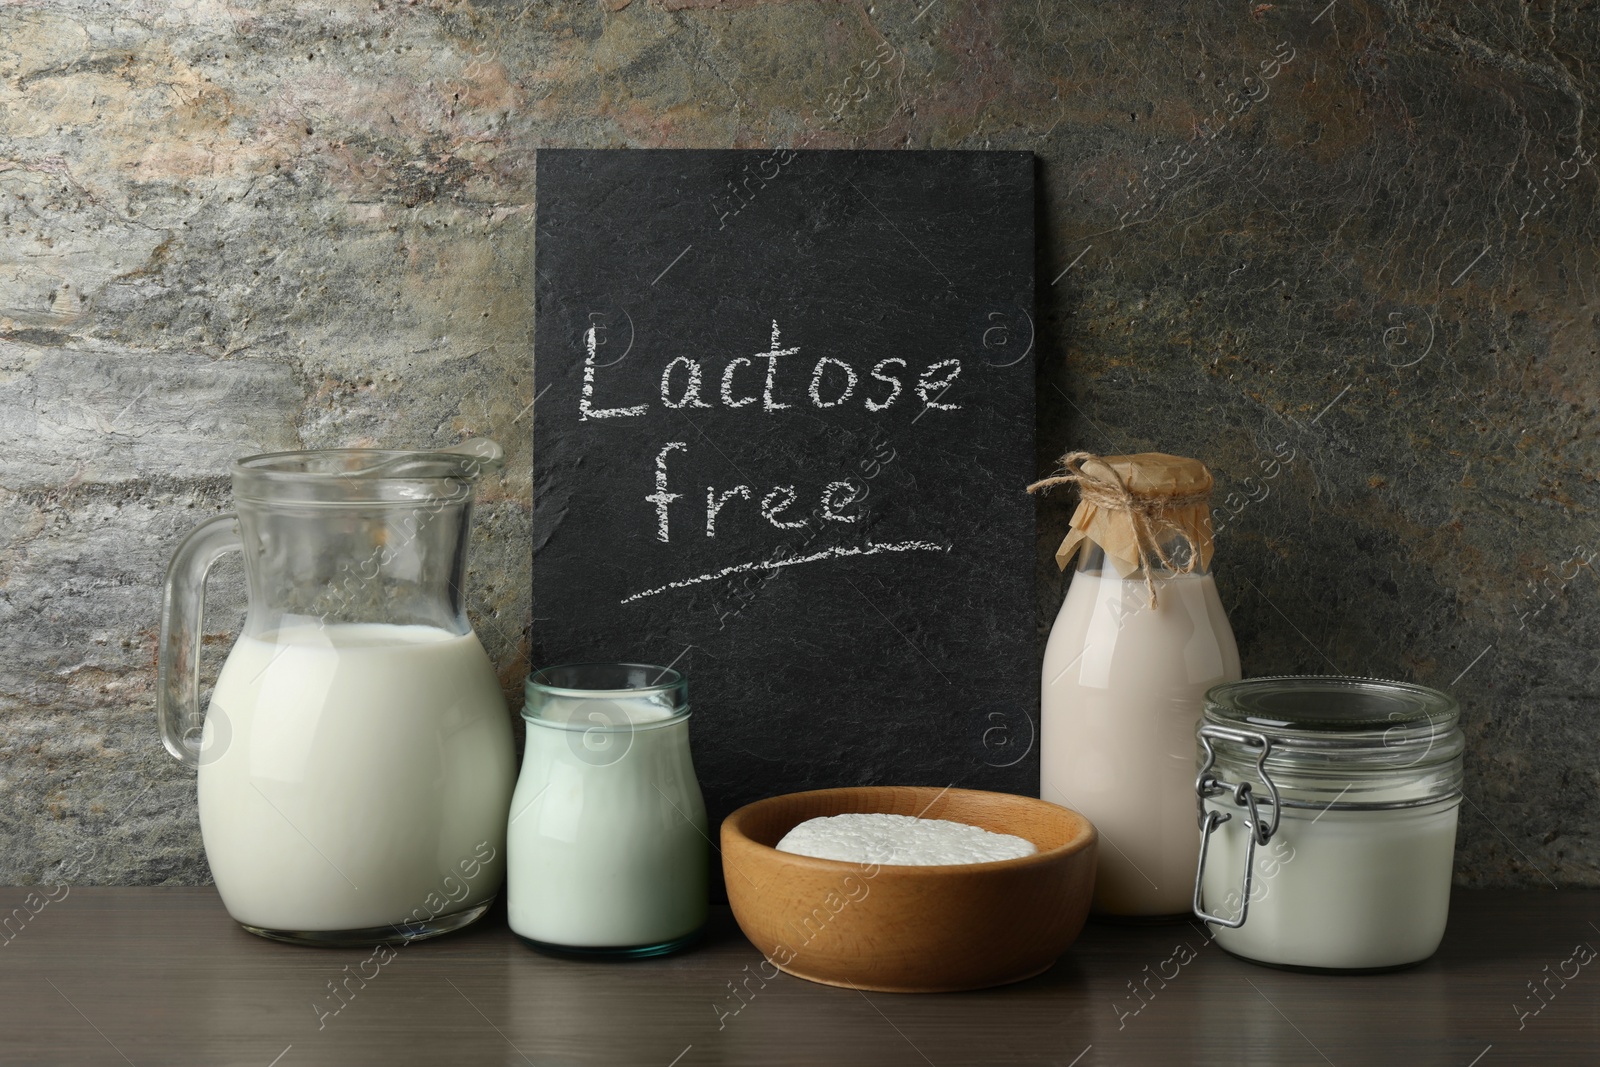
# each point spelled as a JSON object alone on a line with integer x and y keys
{"x": 1124, "y": 677}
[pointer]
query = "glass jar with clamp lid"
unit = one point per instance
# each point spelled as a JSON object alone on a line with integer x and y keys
{"x": 1328, "y": 813}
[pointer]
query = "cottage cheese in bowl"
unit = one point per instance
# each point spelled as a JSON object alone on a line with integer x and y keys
{"x": 903, "y": 840}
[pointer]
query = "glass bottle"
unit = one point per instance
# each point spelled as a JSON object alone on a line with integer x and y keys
{"x": 1123, "y": 685}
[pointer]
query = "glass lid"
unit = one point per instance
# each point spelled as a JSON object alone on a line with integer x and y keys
{"x": 1328, "y": 704}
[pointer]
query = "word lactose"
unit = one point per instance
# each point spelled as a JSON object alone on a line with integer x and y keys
{"x": 742, "y": 382}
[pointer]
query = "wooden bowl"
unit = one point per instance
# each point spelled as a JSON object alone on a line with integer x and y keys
{"x": 904, "y": 929}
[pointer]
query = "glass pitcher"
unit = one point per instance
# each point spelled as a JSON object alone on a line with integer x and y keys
{"x": 355, "y": 764}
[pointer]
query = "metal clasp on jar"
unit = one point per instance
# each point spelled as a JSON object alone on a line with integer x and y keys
{"x": 1259, "y": 832}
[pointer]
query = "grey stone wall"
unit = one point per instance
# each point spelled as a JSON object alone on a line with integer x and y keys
{"x": 1343, "y": 251}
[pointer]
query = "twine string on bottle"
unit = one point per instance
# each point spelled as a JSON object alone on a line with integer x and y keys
{"x": 1147, "y": 513}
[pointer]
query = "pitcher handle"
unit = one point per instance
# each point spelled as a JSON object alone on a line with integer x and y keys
{"x": 182, "y": 627}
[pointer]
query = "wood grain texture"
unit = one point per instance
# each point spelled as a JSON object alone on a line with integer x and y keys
{"x": 902, "y": 929}
{"x": 162, "y": 976}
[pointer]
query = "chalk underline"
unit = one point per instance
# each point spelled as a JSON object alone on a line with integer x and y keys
{"x": 872, "y": 548}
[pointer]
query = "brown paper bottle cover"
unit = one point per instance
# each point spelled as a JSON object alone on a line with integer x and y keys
{"x": 1129, "y": 505}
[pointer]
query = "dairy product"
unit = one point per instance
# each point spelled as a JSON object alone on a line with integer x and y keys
{"x": 1336, "y": 888}
{"x": 352, "y": 775}
{"x": 608, "y": 845}
{"x": 901, "y": 840}
{"x": 1121, "y": 696}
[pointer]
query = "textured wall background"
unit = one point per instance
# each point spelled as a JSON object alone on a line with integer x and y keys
{"x": 1343, "y": 251}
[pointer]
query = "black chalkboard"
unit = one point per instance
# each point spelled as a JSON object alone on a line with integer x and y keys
{"x": 784, "y": 419}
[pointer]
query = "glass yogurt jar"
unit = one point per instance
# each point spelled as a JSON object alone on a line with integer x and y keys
{"x": 1328, "y": 820}
{"x": 607, "y": 851}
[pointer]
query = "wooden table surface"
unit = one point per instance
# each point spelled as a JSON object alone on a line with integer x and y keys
{"x": 162, "y": 976}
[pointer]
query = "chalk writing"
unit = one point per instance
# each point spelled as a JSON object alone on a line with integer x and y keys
{"x": 834, "y": 382}
{"x": 747, "y": 584}
{"x": 872, "y": 548}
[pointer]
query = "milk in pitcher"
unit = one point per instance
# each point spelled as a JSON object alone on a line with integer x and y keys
{"x": 307, "y": 726}
{"x": 355, "y": 761}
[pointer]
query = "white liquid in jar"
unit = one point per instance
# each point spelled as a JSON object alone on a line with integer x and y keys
{"x": 1121, "y": 698}
{"x": 355, "y": 775}
{"x": 1337, "y": 889}
{"x": 607, "y": 844}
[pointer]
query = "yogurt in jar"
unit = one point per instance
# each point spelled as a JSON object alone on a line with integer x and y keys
{"x": 1351, "y": 788}
{"x": 1339, "y": 889}
{"x": 607, "y": 846}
